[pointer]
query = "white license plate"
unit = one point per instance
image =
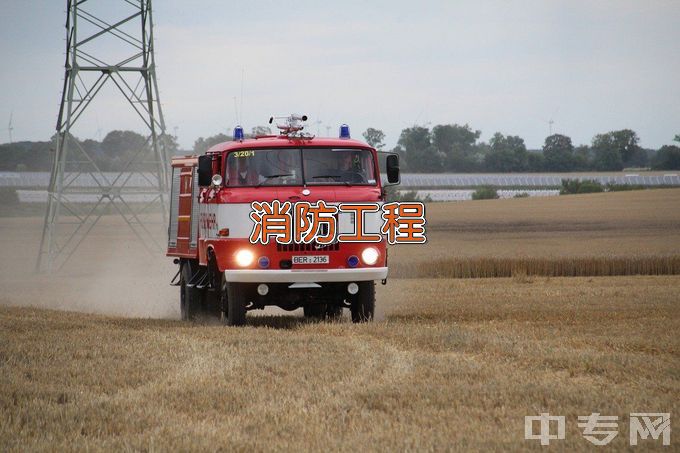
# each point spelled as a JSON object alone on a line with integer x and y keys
{"x": 310, "y": 259}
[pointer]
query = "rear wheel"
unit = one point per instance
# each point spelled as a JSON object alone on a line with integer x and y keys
{"x": 237, "y": 297}
{"x": 363, "y": 302}
{"x": 189, "y": 297}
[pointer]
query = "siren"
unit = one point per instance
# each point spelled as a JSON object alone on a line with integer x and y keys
{"x": 344, "y": 131}
{"x": 238, "y": 133}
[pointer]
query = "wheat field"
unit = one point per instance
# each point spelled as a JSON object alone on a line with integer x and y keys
{"x": 624, "y": 233}
{"x": 94, "y": 358}
{"x": 456, "y": 365}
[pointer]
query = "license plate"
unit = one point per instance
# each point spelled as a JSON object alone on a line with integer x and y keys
{"x": 310, "y": 259}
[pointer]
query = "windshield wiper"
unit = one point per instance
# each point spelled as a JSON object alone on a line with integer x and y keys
{"x": 331, "y": 176}
{"x": 268, "y": 177}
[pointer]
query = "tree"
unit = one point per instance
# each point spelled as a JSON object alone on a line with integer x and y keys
{"x": 374, "y": 137}
{"x": 122, "y": 142}
{"x": 201, "y": 145}
{"x": 260, "y": 130}
{"x": 418, "y": 150}
{"x": 677, "y": 138}
{"x": 25, "y": 156}
{"x": 535, "y": 162}
{"x": 582, "y": 158}
{"x": 623, "y": 142}
{"x": 607, "y": 159}
{"x": 456, "y": 145}
{"x": 667, "y": 158}
{"x": 118, "y": 148}
{"x": 508, "y": 154}
{"x": 558, "y": 153}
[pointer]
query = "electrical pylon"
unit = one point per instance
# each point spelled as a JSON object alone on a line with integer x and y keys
{"x": 117, "y": 52}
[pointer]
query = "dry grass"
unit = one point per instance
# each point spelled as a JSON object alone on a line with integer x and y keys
{"x": 458, "y": 367}
{"x": 453, "y": 364}
{"x": 495, "y": 267}
{"x": 625, "y": 233}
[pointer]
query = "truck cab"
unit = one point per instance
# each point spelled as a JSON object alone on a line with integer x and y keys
{"x": 224, "y": 272}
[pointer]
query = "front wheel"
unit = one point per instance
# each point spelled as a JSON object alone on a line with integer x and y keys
{"x": 363, "y": 302}
{"x": 236, "y": 304}
{"x": 334, "y": 312}
{"x": 315, "y": 311}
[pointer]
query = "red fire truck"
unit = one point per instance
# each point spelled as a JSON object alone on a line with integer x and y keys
{"x": 222, "y": 273}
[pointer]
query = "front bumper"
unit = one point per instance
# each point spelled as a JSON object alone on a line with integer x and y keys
{"x": 305, "y": 275}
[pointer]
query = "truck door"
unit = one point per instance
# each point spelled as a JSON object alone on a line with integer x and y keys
{"x": 187, "y": 211}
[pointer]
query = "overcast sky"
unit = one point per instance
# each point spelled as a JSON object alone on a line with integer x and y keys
{"x": 508, "y": 66}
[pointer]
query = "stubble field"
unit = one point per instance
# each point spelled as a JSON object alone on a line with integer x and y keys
{"x": 450, "y": 364}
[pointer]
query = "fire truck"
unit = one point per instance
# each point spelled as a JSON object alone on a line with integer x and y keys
{"x": 223, "y": 273}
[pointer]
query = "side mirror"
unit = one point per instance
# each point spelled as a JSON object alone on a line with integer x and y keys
{"x": 393, "y": 169}
{"x": 204, "y": 170}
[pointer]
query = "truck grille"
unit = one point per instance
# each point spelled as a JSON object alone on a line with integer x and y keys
{"x": 313, "y": 247}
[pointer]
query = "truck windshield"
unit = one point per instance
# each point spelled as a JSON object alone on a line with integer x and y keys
{"x": 338, "y": 166}
{"x": 284, "y": 167}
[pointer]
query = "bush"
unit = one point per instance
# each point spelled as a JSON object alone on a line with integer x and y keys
{"x": 392, "y": 194}
{"x": 573, "y": 186}
{"x": 590, "y": 187}
{"x": 485, "y": 193}
{"x": 521, "y": 195}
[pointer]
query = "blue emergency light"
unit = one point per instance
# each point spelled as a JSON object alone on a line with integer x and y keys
{"x": 238, "y": 133}
{"x": 344, "y": 131}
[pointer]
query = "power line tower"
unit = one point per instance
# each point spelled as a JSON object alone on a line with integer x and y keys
{"x": 118, "y": 53}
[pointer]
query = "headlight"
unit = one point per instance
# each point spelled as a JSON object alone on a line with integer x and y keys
{"x": 244, "y": 258}
{"x": 370, "y": 256}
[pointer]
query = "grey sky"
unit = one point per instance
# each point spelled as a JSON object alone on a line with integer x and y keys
{"x": 508, "y": 66}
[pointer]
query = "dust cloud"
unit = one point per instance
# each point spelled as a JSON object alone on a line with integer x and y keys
{"x": 111, "y": 273}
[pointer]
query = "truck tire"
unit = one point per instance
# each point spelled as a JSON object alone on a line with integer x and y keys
{"x": 236, "y": 304}
{"x": 315, "y": 311}
{"x": 333, "y": 312}
{"x": 189, "y": 298}
{"x": 363, "y": 302}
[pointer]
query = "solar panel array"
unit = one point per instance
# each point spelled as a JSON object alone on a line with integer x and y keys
{"x": 80, "y": 180}
{"x": 36, "y": 180}
{"x": 463, "y": 194}
{"x": 528, "y": 180}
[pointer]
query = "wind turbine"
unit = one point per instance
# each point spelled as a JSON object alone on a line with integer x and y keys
{"x": 10, "y": 127}
{"x": 551, "y": 121}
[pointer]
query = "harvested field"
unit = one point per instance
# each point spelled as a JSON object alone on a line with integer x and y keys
{"x": 598, "y": 266}
{"x": 451, "y": 364}
{"x": 624, "y": 233}
{"x": 457, "y": 369}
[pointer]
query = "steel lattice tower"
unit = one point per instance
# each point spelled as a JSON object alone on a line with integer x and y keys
{"x": 116, "y": 53}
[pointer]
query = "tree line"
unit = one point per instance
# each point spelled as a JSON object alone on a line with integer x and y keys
{"x": 455, "y": 148}
{"x": 444, "y": 148}
{"x": 112, "y": 153}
